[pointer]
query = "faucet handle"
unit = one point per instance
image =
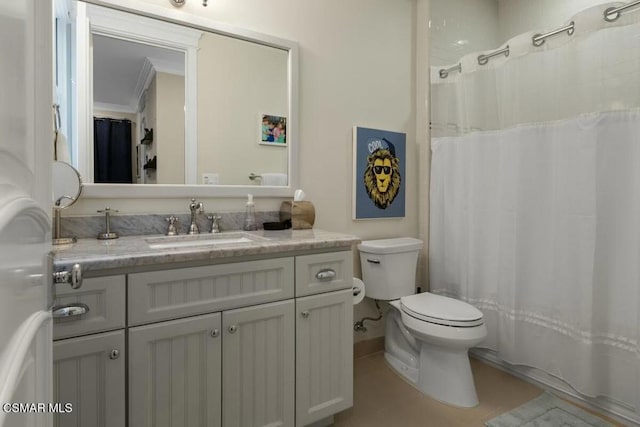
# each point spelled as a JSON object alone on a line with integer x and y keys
{"x": 215, "y": 226}
{"x": 108, "y": 234}
{"x": 172, "y": 230}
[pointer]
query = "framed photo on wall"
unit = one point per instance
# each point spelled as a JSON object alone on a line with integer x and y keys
{"x": 273, "y": 130}
{"x": 379, "y": 164}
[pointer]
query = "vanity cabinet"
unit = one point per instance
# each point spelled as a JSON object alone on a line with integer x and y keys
{"x": 261, "y": 342}
{"x": 178, "y": 372}
{"x": 89, "y": 373}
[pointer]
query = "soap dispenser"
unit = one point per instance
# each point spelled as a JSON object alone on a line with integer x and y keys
{"x": 250, "y": 215}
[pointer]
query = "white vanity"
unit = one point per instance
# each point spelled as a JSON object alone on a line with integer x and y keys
{"x": 247, "y": 334}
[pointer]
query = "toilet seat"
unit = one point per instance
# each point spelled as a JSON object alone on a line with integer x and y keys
{"x": 441, "y": 310}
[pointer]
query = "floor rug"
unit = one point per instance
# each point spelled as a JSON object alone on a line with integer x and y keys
{"x": 547, "y": 411}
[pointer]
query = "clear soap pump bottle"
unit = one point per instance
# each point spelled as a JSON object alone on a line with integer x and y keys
{"x": 250, "y": 215}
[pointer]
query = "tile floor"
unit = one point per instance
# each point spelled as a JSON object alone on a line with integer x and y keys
{"x": 382, "y": 398}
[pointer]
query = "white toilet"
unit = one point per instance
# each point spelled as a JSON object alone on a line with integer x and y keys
{"x": 427, "y": 336}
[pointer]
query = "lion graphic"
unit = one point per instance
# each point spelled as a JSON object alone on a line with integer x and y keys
{"x": 382, "y": 177}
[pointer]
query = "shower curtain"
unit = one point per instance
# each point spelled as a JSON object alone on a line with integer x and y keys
{"x": 535, "y": 201}
{"x": 112, "y": 151}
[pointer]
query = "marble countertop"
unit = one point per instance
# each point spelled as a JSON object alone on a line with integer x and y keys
{"x": 134, "y": 251}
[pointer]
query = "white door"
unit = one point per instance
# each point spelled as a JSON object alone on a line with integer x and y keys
{"x": 25, "y": 228}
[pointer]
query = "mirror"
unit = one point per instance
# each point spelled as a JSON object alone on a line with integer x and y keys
{"x": 67, "y": 187}
{"x": 169, "y": 105}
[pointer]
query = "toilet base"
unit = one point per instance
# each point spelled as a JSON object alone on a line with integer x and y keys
{"x": 408, "y": 373}
{"x": 440, "y": 370}
{"x": 446, "y": 376}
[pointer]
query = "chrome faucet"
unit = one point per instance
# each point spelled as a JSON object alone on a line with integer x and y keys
{"x": 195, "y": 208}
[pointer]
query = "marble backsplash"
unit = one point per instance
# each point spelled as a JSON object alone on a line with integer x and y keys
{"x": 132, "y": 225}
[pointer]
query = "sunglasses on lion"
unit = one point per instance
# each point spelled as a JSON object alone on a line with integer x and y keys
{"x": 378, "y": 170}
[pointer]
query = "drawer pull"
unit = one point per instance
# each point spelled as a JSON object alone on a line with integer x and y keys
{"x": 114, "y": 354}
{"x": 215, "y": 333}
{"x": 326, "y": 274}
{"x": 233, "y": 329}
{"x": 373, "y": 260}
{"x": 305, "y": 314}
{"x": 69, "y": 310}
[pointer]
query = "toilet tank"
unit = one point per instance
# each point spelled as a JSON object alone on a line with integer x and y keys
{"x": 389, "y": 267}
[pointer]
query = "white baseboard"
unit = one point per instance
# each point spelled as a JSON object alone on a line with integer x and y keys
{"x": 616, "y": 411}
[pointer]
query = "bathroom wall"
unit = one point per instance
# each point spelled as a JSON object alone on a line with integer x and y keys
{"x": 519, "y": 16}
{"x": 357, "y": 67}
{"x": 458, "y": 27}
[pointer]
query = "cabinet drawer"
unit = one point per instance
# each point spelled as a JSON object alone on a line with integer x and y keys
{"x": 170, "y": 294}
{"x": 323, "y": 273}
{"x": 105, "y": 297}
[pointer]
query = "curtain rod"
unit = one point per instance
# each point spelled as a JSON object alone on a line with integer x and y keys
{"x": 444, "y": 72}
{"x": 610, "y": 15}
{"x": 484, "y": 59}
{"x": 615, "y": 11}
{"x": 539, "y": 39}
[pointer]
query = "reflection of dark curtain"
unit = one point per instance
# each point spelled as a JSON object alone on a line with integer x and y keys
{"x": 112, "y": 151}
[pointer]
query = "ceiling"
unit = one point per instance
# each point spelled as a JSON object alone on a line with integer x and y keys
{"x": 118, "y": 65}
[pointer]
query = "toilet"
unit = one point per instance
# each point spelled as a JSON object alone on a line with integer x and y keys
{"x": 427, "y": 336}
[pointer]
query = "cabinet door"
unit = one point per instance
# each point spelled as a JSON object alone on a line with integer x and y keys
{"x": 324, "y": 355}
{"x": 88, "y": 374}
{"x": 258, "y": 365}
{"x": 174, "y": 373}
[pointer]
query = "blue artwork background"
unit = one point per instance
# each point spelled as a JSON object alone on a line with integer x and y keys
{"x": 364, "y": 206}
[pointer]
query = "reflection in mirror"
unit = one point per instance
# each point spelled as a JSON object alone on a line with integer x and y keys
{"x": 171, "y": 104}
{"x": 137, "y": 83}
{"x": 67, "y": 187}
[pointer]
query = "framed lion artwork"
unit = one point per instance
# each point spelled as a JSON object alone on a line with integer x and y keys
{"x": 379, "y": 164}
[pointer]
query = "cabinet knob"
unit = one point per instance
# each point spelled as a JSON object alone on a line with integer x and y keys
{"x": 233, "y": 329}
{"x": 114, "y": 354}
{"x": 305, "y": 314}
{"x": 215, "y": 333}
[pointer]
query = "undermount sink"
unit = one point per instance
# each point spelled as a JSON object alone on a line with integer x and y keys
{"x": 230, "y": 238}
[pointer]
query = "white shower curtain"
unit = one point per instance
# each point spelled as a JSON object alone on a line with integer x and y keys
{"x": 535, "y": 201}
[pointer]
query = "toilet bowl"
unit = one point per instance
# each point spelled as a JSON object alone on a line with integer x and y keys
{"x": 427, "y": 336}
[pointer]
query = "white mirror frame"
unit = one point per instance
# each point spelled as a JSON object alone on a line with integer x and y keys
{"x": 196, "y": 22}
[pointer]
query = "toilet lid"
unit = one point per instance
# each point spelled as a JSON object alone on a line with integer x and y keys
{"x": 441, "y": 310}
